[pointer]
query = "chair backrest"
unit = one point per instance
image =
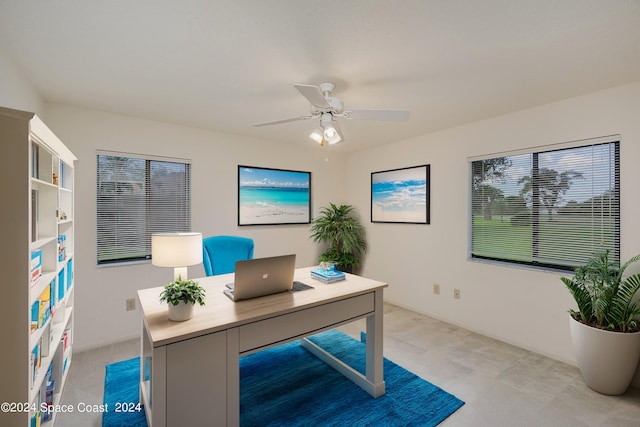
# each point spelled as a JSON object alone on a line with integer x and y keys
{"x": 220, "y": 253}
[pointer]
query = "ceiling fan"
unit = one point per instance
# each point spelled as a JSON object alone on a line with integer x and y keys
{"x": 327, "y": 108}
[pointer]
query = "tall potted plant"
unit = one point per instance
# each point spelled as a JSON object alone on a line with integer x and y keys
{"x": 605, "y": 330}
{"x": 342, "y": 231}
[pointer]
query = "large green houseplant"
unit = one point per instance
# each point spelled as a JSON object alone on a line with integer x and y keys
{"x": 604, "y": 297}
{"x": 338, "y": 227}
{"x": 605, "y": 330}
{"x": 181, "y": 296}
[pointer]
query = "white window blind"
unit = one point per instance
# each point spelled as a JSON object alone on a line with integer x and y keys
{"x": 138, "y": 196}
{"x": 553, "y": 208}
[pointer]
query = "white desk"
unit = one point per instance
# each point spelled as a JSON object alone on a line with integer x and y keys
{"x": 190, "y": 370}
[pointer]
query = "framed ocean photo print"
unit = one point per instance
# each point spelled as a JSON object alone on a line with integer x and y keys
{"x": 273, "y": 196}
{"x": 401, "y": 195}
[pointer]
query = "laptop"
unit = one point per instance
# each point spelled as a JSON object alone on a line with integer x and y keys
{"x": 262, "y": 276}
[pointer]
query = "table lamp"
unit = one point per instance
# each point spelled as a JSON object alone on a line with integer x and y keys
{"x": 177, "y": 250}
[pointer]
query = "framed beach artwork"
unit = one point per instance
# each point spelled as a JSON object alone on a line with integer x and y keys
{"x": 273, "y": 196}
{"x": 401, "y": 195}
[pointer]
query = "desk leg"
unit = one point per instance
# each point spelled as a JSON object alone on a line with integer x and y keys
{"x": 373, "y": 381}
{"x": 153, "y": 380}
{"x": 233, "y": 377}
{"x": 375, "y": 370}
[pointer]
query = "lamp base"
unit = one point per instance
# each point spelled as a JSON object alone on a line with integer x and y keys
{"x": 179, "y": 273}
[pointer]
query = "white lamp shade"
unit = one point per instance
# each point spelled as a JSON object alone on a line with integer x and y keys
{"x": 176, "y": 249}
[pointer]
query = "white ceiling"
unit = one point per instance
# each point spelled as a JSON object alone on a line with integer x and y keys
{"x": 225, "y": 65}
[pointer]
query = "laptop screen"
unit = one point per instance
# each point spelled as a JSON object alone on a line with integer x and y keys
{"x": 262, "y": 276}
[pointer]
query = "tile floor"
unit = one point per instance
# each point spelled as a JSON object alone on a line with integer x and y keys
{"x": 502, "y": 385}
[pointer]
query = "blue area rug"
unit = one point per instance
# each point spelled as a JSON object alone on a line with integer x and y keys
{"x": 287, "y": 386}
{"x": 121, "y": 385}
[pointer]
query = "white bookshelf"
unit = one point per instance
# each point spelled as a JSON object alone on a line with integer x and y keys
{"x": 37, "y": 176}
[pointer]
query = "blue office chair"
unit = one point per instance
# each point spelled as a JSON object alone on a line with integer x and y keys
{"x": 220, "y": 253}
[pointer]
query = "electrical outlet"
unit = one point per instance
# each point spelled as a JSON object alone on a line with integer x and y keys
{"x": 131, "y": 304}
{"x": 456, "y": 294}
{"x": 436, "y": 289}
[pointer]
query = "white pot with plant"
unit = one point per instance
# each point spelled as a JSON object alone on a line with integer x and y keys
{"x": 340, "y": 228}
{"x": 181, "y": 296}
{"x": 605, "y": 330}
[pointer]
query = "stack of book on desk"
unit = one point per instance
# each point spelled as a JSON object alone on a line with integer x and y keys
{"x": 327, "y": 276}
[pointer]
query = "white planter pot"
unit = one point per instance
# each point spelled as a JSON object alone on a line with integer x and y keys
{"x": 180, "y": 312}
{"x": 607, "y": 360}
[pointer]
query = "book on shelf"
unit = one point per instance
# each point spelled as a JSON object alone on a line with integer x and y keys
{"x": 41, "y": 309}
{"x": 65, "y": 340}
{"x": 69, "y": 273}
{"x": 327, "y": 276}
{"x": 47, "y": 402}
{"x": 35, "y": 363}
{"x": 36, "y": 266}
{"x": 35, "y": 316}
{"x": 62, "y": 247}
{"x": 35, "y": 277}
{"x": 61, "y": 285}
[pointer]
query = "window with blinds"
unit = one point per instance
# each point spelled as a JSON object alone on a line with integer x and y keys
{"x": 551, "y": 209}
{"x": 138, "y": 196}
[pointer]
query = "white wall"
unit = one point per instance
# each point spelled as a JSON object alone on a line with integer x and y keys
{"x": 521, "y": 306}
{"x": 15, "y": 90}
{"x": 101, "y": 292}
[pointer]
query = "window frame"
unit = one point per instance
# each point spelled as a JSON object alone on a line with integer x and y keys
{"x": 150, "y": 225}
{"x": 535, "y": 152}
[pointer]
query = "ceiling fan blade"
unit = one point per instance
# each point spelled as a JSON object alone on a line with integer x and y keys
{"x": 386, "y": 115}
{"x": 277, "y": 122}
{"x": 313, "y": 94}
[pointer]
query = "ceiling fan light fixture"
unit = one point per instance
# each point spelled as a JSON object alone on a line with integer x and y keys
{"x": 327, "y": 107}
{"x": 318, "y": 135}
{"x": 330, "y": 132}
{"x": 331, "y": 135}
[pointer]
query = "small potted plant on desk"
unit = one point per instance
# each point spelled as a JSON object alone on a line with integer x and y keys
{"x": 605, "y": 330}
{"x": 182, "y": 296}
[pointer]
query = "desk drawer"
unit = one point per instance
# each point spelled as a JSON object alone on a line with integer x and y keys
{"x": 303, "y": 322}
